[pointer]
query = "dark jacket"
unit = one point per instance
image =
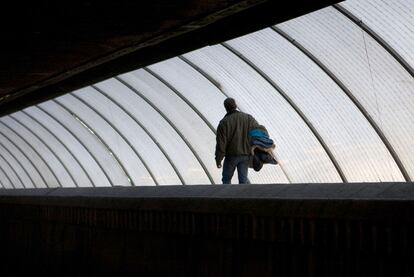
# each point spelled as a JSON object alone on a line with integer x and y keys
{"x": 232, "y": 135}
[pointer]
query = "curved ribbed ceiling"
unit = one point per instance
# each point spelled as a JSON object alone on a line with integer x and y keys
{"x": 334, "y": 89}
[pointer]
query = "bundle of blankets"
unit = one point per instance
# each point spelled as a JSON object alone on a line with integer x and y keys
{"x": 261, "y": 148}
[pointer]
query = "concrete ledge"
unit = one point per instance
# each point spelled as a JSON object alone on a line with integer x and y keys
{"x": 355, "y": 191}
{"x": 374, "y": 201}
{"x": 253, "y": 230}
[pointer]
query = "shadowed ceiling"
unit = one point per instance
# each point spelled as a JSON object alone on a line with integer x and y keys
{"x": 49, "y": 48}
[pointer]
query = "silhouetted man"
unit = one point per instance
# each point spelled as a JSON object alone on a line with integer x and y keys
{"x": 233, "y": 142}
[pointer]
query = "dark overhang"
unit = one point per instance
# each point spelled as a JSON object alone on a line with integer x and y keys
{"x": 49, "y": 48}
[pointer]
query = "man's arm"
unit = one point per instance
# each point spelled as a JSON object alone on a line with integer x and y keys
{"x": 253, "y": 123}
{"x": 220, "y": 145}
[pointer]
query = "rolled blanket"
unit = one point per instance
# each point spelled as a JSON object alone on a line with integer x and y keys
{"x": 262, "y": 148}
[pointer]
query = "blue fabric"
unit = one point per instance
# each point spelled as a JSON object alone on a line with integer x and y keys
{"x": 263, "y": 142}
{"x": 260, "y": 137}
{"x": 257, "y": 133}
{"x": 241, "y": 162}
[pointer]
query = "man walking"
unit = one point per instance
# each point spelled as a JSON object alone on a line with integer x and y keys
{"x": 233, "y": 142}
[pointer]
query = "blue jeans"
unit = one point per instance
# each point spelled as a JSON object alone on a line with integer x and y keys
{"x": 229, "y": 166}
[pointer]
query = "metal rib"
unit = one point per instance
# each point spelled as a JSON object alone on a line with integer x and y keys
{"x": 218, "y": 86}
{"x": 119, "y": 133}
{"x": 203, "y": 73}
{"x": 25, "y": 155}
{"x": 294, "y": 106}
{"x": 20, "y": 164}
{"x": 7, "y": 176}
{"x": 36, "y": 151}
{"x": 110, "y": 152}
{"x": 171, "y": 124}
{"x": 47, "y": 146}
{"x": 61, "y": 142}
{"x": 15, "y": 172}
{"x": 172, "y": 88}
{"x": 80, "y": 142}
{"x": 146, "y": 131}
{"x": 376, "y": 37}
{"x": 354, "y": 100}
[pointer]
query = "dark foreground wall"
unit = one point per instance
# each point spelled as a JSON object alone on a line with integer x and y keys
{"x": 239, "y": 230}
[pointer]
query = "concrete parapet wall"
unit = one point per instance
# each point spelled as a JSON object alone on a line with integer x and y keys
{"x": 238, "y": 230}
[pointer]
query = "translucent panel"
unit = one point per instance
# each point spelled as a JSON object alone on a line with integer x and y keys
{"x": 343, "y": 128}
{"x": 136, "y": 136}
{"x": 205, "y": 97}
{"x": 102, "y": 156}
{"x": 377, "y": 80}
{"x": 1, "y": 185}
{"x": 392, "y": 19}
{"x": 195, "y": 88}
{"x": 22, "y": 156}
{"x": 130, "y": 163}
{"x": 4, "y": 179}
{"x": 10, "y": 173}
{"x": 25, "y": 178}
{"x": 191, "y": 126}
{"x": 48, "y": 179}
{"x": 59, "y": 176}
{"x": 299, "y": 153}
{"x": 74, "y": 175}
{"x": 173, "y": 145}
{"x": 75, "y": 147}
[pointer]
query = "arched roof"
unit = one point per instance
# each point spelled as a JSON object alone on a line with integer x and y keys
{"x": 334, "y": 89}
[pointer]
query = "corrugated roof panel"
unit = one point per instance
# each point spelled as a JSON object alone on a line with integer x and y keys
{"x": 18, "y": 166}
{"x": 373, "y": 76}
{"x": 11, "y": 179}
{"x": 138, "y": 139}
{"x": 393, "y": 20}
{"x": 72, "y": 170}
{"x": 299, "y": 153}
{"x": 85, "y": 159}
{"x": 11, "y": 137}
{"x": 206, "y": 96}
{"x": 130, "y": 164}
{"x": 355, "y": 145}
{"x": 5, "y": 181}
{"x": 108, "y": 164}
{"x": 183, "y": 118}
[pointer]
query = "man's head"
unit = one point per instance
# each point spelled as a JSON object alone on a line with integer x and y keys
{"x": 230, "y": 104}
